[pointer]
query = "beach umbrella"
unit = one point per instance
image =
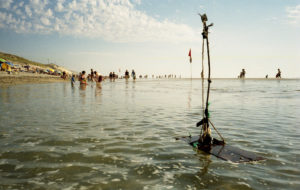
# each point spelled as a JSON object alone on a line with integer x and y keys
{"x": 9, "y": 63}
{"x": 2, "y": 60}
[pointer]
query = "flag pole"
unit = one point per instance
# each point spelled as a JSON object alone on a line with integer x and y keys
{"x": 190, "y": 55}
{"x": 191, "y": 71}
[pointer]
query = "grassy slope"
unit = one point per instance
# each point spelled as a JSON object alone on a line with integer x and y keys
{"x": 14, "y": 58}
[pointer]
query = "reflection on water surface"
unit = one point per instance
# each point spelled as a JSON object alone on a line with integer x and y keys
{"x": 121, "y": 136}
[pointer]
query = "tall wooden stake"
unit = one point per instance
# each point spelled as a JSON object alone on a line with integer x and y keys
{"x": 205, "y": 121}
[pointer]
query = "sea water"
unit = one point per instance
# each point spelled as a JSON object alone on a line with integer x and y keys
{"x": 122, "y": 136}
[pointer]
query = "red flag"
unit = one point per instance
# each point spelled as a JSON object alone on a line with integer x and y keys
{"x": 190, "y": 55}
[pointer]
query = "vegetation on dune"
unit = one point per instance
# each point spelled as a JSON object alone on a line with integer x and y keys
{"x": 21, "y": 60}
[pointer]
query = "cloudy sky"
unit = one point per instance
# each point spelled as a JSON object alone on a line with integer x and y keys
{"x": 154, "y": 36}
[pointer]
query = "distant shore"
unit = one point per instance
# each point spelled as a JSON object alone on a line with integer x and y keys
{"x": 34, "y": 78}
{"x": 27, "y": 78}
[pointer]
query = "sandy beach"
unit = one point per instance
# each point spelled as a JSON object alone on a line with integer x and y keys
{"x": 27, "y": 78}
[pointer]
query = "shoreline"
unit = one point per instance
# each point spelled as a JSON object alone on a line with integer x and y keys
{"x": 27, "y": 78}
{"x": 34, "y": 78}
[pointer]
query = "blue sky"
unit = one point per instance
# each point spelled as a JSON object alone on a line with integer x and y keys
{"x": 154, "y": 36}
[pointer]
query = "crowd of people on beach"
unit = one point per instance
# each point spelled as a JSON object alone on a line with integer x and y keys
{"x": 243, "y": 74}
{"x": 11, "y": 68}
{"x": 94, "y": 76}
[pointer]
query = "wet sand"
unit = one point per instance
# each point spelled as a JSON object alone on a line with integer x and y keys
{"x": 27, "y": 78}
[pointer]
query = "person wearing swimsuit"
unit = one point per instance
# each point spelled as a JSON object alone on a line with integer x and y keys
{"x": 83, "y": 79}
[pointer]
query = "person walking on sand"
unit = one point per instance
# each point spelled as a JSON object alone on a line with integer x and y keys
{"x": 278, "y": 75}
{"x": 9, "y": 69}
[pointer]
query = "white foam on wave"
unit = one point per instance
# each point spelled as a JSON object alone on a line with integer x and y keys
{"x": 168, "y": 177}
{"x": 243, "y": 183}
{"x": 70, "y": 187}
{"x": 3, "y": 161}
{"x": 51, "y": 183}
{"x": 188, "y": 187}
{"x": 169, "y": 187}
{"x": 53, "y": 172}
{"x": 19, "y": 166}
{"x": 29, "y": 144}
{"x": 36, "y": 181}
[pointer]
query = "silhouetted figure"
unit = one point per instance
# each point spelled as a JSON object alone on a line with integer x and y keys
{"x": 126, "y": 74}
{"x": 64, "y": 75}
{"x": 267, "y": 76}
{"x": 243, "y": 73}
{"x": 73, "y": 80}
{"x": 114, "y": 76}
{"x": 133, "y": 74}
{"x": 91, "y": 75}
{"x": 278, "y": 75}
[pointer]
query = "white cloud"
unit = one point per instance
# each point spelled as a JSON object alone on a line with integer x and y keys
{"x": 59, "y": 5}
{"x": 35, "y": 1}
{"x": 293, "y": 14}
{"x": 21, "y": 4}
{"x": 91, "y": 53}
{"x": 5, "y": 4}
{"x": 28, "y": 11}
{"x": 111, "y": 20}
{"x": 45, "y": 21}
{"x": 48, "y": 13}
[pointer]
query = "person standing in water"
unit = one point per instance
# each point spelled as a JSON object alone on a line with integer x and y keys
{"x": 243, "y": 73}
{"x": 278, "y": 75}
{"x": 133, "y": 74}
{"x": 92, "y": 75}
{"x": 99, "y": 81}
{"x": 113, "y": 76}
{"x": 95, "y": 76}
{"x": 83, "y": 78}
{"x": 73, "y": 80}
{"x": 126, "y": 74}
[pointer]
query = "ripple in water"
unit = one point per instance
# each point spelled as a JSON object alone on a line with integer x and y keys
{"x": 54, "y": 136}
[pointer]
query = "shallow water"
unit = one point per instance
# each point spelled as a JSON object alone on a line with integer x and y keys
{"x": 54, "y": 136}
